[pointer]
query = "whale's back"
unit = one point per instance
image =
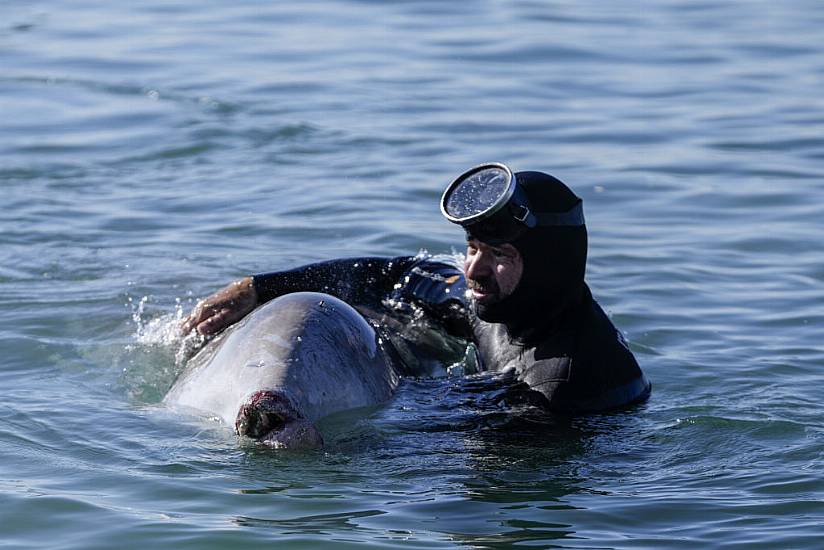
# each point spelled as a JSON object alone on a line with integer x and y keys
{"x": 311, "y": 347}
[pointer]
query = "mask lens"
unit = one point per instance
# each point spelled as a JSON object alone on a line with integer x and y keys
{"x": 477, "y": 193}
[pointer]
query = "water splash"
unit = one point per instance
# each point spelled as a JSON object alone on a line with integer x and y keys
{"x": 164, "y": 331}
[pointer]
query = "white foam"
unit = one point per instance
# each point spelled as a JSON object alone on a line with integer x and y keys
{"x": 164, "y": 330}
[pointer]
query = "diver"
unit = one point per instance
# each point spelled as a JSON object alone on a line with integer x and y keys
{"x": 520, "y": 297}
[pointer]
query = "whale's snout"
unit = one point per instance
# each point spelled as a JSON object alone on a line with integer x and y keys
{"x": 270, "y": 417}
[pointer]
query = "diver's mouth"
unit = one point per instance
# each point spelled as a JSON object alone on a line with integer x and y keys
{"x": 483, "y": 290}
{"x": 270, "y": 417}
{"x": 483, "y": 296}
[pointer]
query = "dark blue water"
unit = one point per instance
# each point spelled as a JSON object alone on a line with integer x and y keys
{"x": 151, "y": 153}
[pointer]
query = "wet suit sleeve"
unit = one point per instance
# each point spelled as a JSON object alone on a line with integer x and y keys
{"x": 355, "y": 280}
{"x": 439, "y": 288}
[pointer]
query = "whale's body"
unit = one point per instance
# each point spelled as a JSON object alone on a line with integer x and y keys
{"x": 289, "y": 363}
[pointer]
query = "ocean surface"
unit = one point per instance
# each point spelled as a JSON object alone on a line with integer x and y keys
{"x": 151, "y": 152}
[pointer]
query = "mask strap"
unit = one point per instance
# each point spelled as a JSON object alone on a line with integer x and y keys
{"x": 572, "y": 217}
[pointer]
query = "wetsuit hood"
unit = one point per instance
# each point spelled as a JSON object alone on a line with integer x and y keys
{"x": 554, "y": 266}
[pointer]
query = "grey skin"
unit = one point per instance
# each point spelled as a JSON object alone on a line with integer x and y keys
{"x": 289, "y": 363}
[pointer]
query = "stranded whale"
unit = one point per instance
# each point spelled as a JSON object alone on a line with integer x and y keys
{"x": 289, "y": 363}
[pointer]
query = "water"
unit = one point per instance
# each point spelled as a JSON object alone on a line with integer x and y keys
{"x": 151, "y": 152}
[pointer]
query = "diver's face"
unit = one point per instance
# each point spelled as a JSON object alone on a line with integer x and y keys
{"x": 492, "y": 272}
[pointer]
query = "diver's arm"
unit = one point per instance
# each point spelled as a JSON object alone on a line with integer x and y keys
{"x": 356, "y": 280}
{"x": 223, "y": 308}
{"x": 438, "y": 287}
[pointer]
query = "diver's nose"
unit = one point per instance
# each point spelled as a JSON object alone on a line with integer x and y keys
{"x": 477, "y": 265}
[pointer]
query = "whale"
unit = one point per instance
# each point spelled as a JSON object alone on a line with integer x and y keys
{"x": 291, "y": 362}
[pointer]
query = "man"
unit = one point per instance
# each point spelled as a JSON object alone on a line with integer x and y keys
{"x": 521, "y": 297}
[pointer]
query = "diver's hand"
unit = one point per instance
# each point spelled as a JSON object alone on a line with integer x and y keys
{"x": 223, "y": 308}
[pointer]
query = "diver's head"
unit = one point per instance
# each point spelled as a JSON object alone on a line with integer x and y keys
{"x": 526, "y": 242}
{"x": 493, "y": 272}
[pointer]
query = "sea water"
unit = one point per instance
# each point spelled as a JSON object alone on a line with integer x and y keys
{"x": 150, "y": 152}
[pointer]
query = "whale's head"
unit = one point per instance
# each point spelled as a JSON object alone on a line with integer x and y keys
{"x": 270, "y": 417}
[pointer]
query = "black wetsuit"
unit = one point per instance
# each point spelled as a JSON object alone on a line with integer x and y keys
{"x": 580, "y": 363}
